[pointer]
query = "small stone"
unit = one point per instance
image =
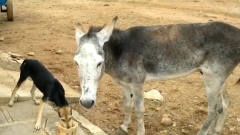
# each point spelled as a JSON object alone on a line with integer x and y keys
{"x": 232, "y": 129}
{"x": 1, "y": 38}
{"x": 174, "y": 124}
{"x": 185, "y": 132}
{"x": 165, "y": 115}
{"x": 59, "y": 52}
{"x": 14, "y": 55}
{"x": 19, "y": 61}
{"x": 164, "y": 132}
{"x": 153, "y": 94}
{"x": 106, "y": 5}
{"x": 166, "y": 120}
{"x": 158, "y": 108}
{"x": 31, "y": 54}
{"x": 238, "y": 119}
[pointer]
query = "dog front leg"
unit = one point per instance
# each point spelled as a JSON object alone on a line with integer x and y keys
{"x": 39, "y": 116}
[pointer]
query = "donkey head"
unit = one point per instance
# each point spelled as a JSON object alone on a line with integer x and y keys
{"x": 90, "y": 60}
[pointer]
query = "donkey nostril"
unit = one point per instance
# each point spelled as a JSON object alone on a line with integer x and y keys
{"x": 87, "y": 103}
{"x": 81, "y": 102}
{"x": 92, "y": 103}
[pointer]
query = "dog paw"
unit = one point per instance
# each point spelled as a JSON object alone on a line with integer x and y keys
{"x": 37, "y": 102}
{"x": 37, "y": 126}
{"x": 120, "y": 131}
{"x": 10, "y": 104}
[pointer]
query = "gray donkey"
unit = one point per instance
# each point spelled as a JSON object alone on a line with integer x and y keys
{"x": 143, "y": 53}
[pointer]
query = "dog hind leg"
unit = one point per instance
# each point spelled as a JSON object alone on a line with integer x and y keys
{"x": 11, "y": 101}
{"x": 33, "y": 89}
{"x": 22, "y": 78}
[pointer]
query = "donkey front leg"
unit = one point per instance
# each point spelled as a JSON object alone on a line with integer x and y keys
{"x": 128, "y": 104}
{"x": 139, "y": 104}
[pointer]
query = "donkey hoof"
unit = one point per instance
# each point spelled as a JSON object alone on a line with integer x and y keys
{"x": 120, "y": 131}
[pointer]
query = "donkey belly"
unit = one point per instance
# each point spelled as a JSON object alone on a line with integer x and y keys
{"x": 161, "y": 75}
{"x": 167, "y": 66}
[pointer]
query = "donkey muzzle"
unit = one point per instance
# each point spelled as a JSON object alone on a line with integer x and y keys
{"x": 87, "y": 103}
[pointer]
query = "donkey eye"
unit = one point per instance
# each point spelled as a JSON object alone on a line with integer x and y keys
{"x": 99, "y": 64}
{"x": 76, "y": 63}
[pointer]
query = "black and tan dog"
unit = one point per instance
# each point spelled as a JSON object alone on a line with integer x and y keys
{"x": 50, "y": 87}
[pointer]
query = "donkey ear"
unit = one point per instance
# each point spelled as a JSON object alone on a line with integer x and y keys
{"x": 78, "y": 34}
{"x": 106, "y": 32}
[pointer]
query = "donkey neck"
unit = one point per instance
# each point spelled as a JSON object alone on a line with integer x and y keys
{"x": 112, "y": 50}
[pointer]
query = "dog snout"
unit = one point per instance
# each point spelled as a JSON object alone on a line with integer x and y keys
{"x": 87, "y": 103}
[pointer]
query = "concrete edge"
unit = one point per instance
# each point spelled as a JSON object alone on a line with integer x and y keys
{"x": 16, "y": 122}
{"x": 87, "y": 124}
{"x": 5, "y": 100}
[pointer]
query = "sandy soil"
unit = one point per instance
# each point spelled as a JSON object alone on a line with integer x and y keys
{"x": 45, "y": 27}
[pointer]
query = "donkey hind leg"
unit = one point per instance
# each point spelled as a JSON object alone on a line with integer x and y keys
{"x": 128, "y": 104}
{"x": 139, "y": 104}
{"x": 213, "y": 83}
{"x": 33, "y": 89}
{"x": 221, "y": 109}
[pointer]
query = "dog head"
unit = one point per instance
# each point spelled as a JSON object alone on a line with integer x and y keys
{"x": 65, "y": 114}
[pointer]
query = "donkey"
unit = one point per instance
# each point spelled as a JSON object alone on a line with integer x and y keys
{"x": 143, "y": 53}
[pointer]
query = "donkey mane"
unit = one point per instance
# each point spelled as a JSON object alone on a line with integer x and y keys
{"x": 115, "y": 44}
{"x": 94, "y": 29}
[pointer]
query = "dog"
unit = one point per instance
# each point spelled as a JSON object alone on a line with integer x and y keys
{"x": 50, "y": 87}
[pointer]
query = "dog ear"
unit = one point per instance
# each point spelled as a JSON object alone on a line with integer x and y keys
{"x": 58, "y": 110}
{"x": 59, "y": 114}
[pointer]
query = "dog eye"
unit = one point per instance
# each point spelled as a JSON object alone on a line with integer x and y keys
{"x": 63, "y": 119}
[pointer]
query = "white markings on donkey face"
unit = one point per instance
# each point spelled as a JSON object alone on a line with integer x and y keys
{"x": 90, "y": 62}
{"x": 89, "y": 70}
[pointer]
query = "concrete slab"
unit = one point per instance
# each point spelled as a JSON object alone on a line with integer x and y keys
{"x": 22, "y": 111}
{"x": 20, "y": 128}
{"x": 2, "y": 118}
{"x": 23, "y": 115}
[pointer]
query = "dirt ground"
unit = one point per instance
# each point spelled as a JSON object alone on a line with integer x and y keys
{"x": 47, "y": 26}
